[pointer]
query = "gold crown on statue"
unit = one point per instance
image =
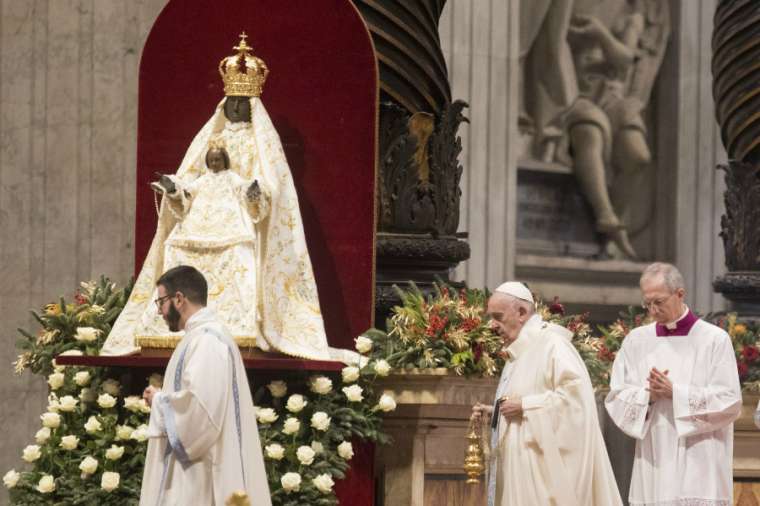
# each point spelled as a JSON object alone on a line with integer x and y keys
{"x": 244, "y": 73}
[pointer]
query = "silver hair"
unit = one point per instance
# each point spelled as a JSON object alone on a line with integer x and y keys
{"x": 670, "y": 274}
{"x": 517, "y": 302}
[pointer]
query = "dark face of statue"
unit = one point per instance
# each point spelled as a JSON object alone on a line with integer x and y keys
{"x": 238, "y": 109}
{"x": 216, "y": 160}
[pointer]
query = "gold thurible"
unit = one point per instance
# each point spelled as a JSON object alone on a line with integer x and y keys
{"x": 238, "y": 498}
{"x": 473, "y": 458}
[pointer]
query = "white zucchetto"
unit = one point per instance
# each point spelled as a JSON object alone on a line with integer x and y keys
{"x": 516, "y": 289}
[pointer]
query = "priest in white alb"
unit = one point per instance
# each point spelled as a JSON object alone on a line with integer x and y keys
{"x": 675, "y": 388}
{"x": 547, "y": 448}
{"x": 203, "y": 442}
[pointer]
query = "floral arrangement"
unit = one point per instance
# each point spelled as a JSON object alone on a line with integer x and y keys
{"x": 446, "y": 329}
{"x": 90, "y": 448}
{"x": 746, "y": 339}
{"x": 307, "y": 429}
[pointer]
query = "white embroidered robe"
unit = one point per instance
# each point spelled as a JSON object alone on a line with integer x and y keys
{"x": 554, "y": 455}
{"x": 204, "y": 443}
{"x": 684, "y": 446}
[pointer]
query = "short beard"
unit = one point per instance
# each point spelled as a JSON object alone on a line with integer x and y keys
{"x": 172, "y": 319}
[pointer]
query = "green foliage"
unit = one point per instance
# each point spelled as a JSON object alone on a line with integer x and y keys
{"x": 81, "y": 398}
{"x": 446, "y": 329}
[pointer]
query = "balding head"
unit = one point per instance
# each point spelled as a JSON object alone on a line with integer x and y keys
{"x": 666, "y": 273}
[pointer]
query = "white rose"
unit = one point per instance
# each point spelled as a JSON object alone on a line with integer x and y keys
{"x": 69, "y": 442}
{"x": 317, "y": 447}
{"x": 291, "y": 482}
{"x": 305, "y": 455}
{"x": 296, "y": 403}
{"x": 132, "y": 403}
{"x": 124, "y": 432}
{"x": 106, "y": 401}
{"x": 275, "y": 451}
{"x": 88, "y": 465}
{"x": 52, "y": 420}
{"x": 56, "y": 380}
{"x": 144, "y": 408}
{"x": 87, "y": 395}
{"x": 346, "y": 450}
{"x": 324, "y": 483}
{"x": 82, "y": 378}
{"x": 278, "y": 388}
{"x": 42, "y": 435}
{"x": 111, "y": 387}
{"x": 53, "y": 405}
{"x": 11, "y": 478}
{"x": 114, "y": 452}
{"x": 109, "y": 481}
{"x": 320, "y": 421}
{"x": 31, "y": 453}
{"x": 67, "y": 403}
{"x": 321, "y": 385}
{"x": 140, "y": 433}
{"x": 156, "y": 380}
{"x": 266, "y": 415}
{"x": 86, "y": 334}
{"x": 93, "y": 425}
{"x": 46, "y": 484}
{"x": 386, "y": 403}
{"x": 363, "y": 344}
{"x": 382, "y": 368}
{"x": 291, "y": 426}
{"x": 353, "y": 393}
{"x": 350, "y": 374}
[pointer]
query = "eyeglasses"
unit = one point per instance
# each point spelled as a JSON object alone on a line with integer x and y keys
{"x": 160, "y": 301}
{"x": 656, "y": 303}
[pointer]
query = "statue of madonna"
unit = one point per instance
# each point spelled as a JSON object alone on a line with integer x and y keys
{"x": 231, "y": 211}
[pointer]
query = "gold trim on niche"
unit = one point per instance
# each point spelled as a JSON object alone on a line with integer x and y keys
{"x": 171, "y": 342}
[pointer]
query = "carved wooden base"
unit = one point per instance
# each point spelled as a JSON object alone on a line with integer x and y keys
{"x": 412, "y": 257}
{"x": 742, "y": 288}
{"x": 428, "y": 428}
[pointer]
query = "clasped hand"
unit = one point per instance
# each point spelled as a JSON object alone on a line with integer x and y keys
{"x": 510, "y": 407}
{"x": 149, "y": 392}
{"x": 660, "y": 387}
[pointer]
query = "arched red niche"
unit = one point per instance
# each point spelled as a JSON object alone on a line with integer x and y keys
{"x": 322, "y": 96}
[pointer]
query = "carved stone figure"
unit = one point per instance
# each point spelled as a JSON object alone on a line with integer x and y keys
{"x": 605, "y": 125}
{"x": 617, "y": 48}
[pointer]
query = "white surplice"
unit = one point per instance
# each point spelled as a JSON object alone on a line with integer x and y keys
{"x": 684, "y": 446}
{"x": 554, "y": 455}
{"x": 204, "y": 443}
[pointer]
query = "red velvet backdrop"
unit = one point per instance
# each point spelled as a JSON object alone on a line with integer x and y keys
{"x": 322, "y": 96}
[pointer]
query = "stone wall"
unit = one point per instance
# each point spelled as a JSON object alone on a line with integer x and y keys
{"x": 68, "y": 102}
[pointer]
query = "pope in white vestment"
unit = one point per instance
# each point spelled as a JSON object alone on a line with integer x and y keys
{"x": 554, "y": 453}
{"x": 204, "y": 443}
{"x": 684, "y": 446}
